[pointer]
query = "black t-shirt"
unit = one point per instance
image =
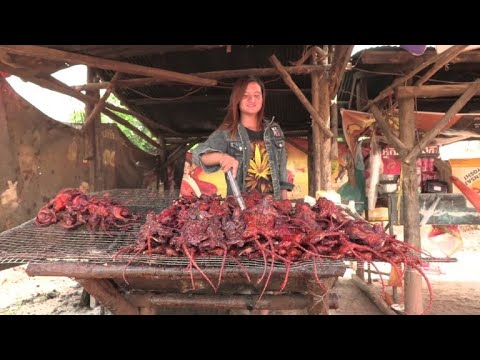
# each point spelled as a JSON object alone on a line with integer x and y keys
{"x": 258, "y": 175}
{"x": 255, "y": 135}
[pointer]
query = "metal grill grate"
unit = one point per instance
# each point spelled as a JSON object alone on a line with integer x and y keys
{"x": 141, "y": 197}
{"x": 30, "y": 243}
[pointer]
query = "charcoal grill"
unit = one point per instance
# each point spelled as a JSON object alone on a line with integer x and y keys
{"x": 150, "y": 283}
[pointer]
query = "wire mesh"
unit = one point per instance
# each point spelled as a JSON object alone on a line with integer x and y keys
{"x": 31, "y": 243}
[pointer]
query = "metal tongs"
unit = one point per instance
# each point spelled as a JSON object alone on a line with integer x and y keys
{"x": 236, "y": 190}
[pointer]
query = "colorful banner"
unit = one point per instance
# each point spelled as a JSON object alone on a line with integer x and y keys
{"x": 356, "y": 123}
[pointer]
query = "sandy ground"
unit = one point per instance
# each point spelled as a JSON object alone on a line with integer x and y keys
{"x": 456, "y": 288}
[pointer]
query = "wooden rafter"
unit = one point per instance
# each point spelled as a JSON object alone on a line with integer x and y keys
{"x": 291, "y": 84}
{"x": 217, "y": 75}
{"x": 56, "y": 85}
{"x": 432, "y": 91}
{"x": 101, "y": 103}
{"x": 394, "y": 57}
{"x": 440, "y": 125}
{"x": 401, "y": 80}
{"x": 439, "y": 64}
{"x": 95, "y": 62}
{"x": 382, "y": 124}
{"x": 49, "y": 81}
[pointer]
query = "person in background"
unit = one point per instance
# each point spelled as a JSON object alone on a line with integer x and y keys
{"x": 247, "y": 143}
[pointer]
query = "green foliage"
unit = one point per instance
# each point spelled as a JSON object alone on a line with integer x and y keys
{"x": 78, "y": 117}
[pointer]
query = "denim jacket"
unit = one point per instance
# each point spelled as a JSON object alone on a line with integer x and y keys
{"x": 239, "y": 148}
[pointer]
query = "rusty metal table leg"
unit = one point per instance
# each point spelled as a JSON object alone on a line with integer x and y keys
{"x": 104, "y": 291}
{"x": 319, "y": 295}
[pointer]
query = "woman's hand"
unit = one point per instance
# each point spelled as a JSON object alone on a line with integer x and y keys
{"x": 228, "y": 162}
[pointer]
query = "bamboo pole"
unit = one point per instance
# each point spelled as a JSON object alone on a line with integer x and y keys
{"x": 443, "y": 122}
{"x": 291, "y": 84}
{"x": 411, "y": 209}
{"x": 99, "y": 63}
{"x": 217, "y": 75}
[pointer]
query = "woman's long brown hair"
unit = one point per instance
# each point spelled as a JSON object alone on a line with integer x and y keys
{"x": 230, "y": 122}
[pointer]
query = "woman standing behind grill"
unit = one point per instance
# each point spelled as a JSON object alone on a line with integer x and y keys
{"x": 252, "y": 146}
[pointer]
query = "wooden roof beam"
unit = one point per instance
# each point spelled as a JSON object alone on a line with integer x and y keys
{"x": 291, "y": 84}
{"x": 401, "y": 80}
{"x": 433, "y": 91}
{"x": 440, "y": 125}
{"x": 53, "y": 84}
{"x": 217, "y": 75}
{"x": 395, "y": 57}
{"x": 95, "y": 62}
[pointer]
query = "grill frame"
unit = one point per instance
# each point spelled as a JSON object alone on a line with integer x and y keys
{"x": 28, "y": 243}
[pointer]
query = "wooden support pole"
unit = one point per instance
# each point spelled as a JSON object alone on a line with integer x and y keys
{"x": 99, "y": 63}
{"x": 399, "y": 81}
{"x": 334, "y": 117}
{"x": 341, "y": 56}
{"x": 325, "y": 141}
{"x": 316, "y": 136}
{"x": 411, "y": 209}
{"x": 162, "y": 157}
{"x": 224, "y": 74}
{"x": 319, "y": 295}
{"x": 443, "y": 122}
{"x": 386, "y": 130}
{"x": 90, "y": 137}
{"x": 291, "y": 84}
{"x": 311, "y": 165}
{"x": 101, "y": 103}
